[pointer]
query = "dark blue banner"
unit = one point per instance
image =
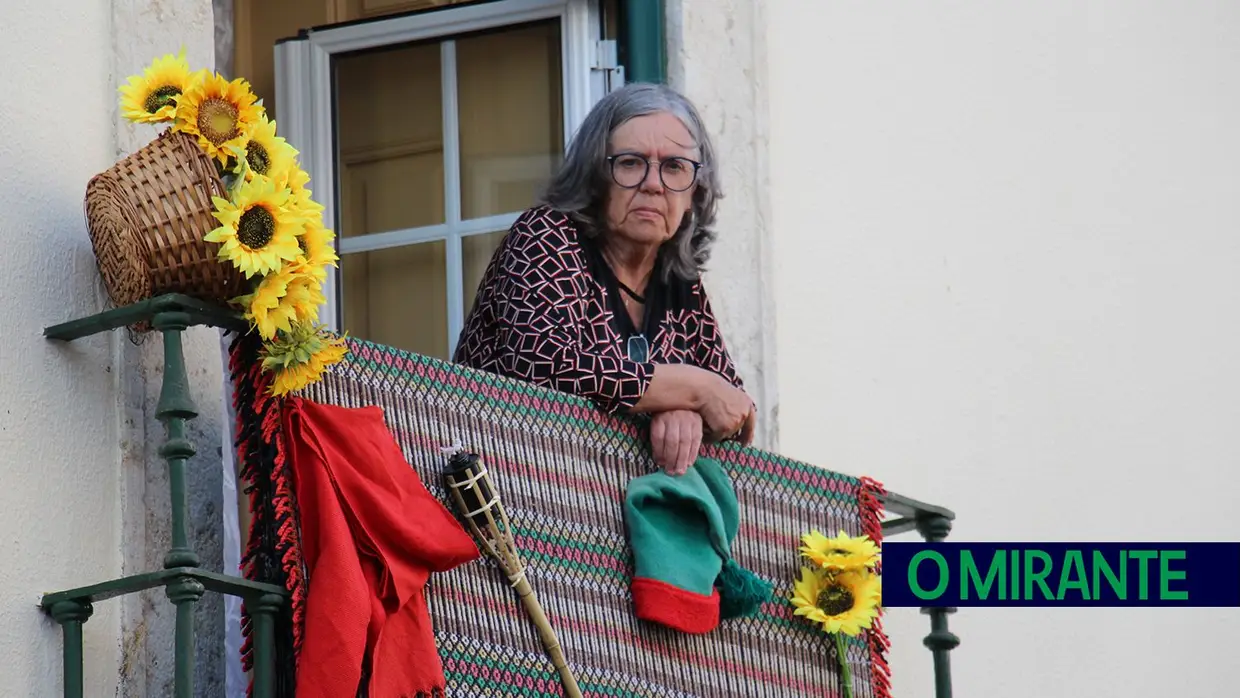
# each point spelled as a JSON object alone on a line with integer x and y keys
{"x": 1061, "y": 574}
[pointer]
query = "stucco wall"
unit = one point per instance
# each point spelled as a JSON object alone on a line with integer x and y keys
{"x": 58, "y": 406}
{"x": 145, "y": 29}
{"x": 717, "y": 57}
{"x": 85, "y": 496}
{"x": 1006, "y": 268}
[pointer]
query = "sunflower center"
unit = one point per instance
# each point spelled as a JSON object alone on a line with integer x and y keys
{"x": 256, "y": 227}
{"x": 217, "y": 120}
{"x": 835, "y": 600}
{"x": 839, "y": 551}
{"x": 256, "y": 155}
{"x": 160, "y": 98}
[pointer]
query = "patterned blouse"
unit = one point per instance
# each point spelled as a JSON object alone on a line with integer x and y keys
{"x": 548, "y": 311}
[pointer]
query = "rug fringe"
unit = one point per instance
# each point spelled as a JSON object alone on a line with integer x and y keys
{"x": 273, "y": 551}
{"x": 868, "y": 495}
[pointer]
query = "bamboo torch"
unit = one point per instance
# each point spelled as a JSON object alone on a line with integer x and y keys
{"x": 467, "y": 480}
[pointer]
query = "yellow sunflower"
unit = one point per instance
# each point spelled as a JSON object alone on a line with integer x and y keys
{"x": 151, "y": 97}
{"x": 257, "y": 231}
{"x": 317, "y": 252}
{"x": 305, "y": 296}
{"x": 219, "y": 113}
{"x": 282, "y": 299}
{"x": 267, "y": 154}
{"x": 840, "y": 552}
{"x": 840, "y": 602}
{"x": 299, "y": 357}
{"x": 295, "y": 179}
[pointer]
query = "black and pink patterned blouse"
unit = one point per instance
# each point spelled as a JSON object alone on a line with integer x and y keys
{"x": 548, "y": 311}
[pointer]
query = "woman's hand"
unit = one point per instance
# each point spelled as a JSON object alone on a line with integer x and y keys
{"x": 728, "y": 412}
{"x": 675, "y": 438}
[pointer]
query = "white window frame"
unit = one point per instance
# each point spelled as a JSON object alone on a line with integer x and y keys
{"x": 304, "y": 93}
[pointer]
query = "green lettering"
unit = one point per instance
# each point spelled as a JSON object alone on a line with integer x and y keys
{"x": 1165, "y": 575}
{"x": 944, "y": 577}
{"x": 1039, "y": 577}
{"x": 998, "y": 568}
{"x": 1118, "y": 585}
{"x": 1073, "y": 563}
{"x": 1015, "y": 596}
{"x": 1143, "y": 576}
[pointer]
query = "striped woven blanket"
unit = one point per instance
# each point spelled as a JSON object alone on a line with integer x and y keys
{"x": 561, "y": 468}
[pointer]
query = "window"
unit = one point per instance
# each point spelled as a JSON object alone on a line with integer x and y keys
{"x": 425, "y": 136}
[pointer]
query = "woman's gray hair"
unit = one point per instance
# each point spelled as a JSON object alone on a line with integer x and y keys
{"x": 579, "y": 188}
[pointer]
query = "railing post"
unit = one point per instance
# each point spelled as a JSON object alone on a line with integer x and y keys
{"x": 71, "y": 615}
{"x": 264, "y": 613}
{"x": 184, "y": 593}
{"x": 940, "y": 641}
{"x": 174, "y": 408}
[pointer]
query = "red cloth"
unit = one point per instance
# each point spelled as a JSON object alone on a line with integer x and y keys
{"x": 371, "y": 536}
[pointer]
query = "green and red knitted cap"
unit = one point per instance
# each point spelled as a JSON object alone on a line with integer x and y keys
{"x": 681, "y": 530}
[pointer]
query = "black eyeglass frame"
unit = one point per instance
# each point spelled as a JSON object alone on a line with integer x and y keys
{"x": 611, "y": 169}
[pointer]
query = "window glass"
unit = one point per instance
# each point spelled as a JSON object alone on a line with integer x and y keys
{"x": 476, "y": 254}
{"x": 511, "y": 116}
{"x": 397, "y": 297}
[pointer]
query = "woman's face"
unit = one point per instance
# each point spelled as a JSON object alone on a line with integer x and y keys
{"x": 650, "y": 213}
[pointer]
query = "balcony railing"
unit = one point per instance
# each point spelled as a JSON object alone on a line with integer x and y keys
{"x": 182, "y": 577}
{"x": 185, "y": 581}
{"x": 933, "y": 523}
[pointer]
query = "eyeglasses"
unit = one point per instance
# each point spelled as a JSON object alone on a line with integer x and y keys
{"x": 639, "y": 349}
{"x": 629, "y": 170}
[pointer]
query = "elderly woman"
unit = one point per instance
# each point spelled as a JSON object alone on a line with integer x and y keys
{"x": 598, "y": 292}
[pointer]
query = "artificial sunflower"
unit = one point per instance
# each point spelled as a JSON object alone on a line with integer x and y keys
{"x": 305, "y": 295}
{"x": 295, "y": 180}
{"x": 257, "y": 232}
{"x": 316, "y": 249}
{"x": 267, "y": 154}
{"x": 282, "y": 299}
{"x": 219, "y": 113}
{"x": 151, "y": 97}
{"x": 839, "y": 553}
{"x": 298, "y": 357}
{"x": 840, "y": 602}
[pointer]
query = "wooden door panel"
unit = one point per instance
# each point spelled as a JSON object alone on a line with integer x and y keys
{"x": 257, "y": 26}
{"x": 366, "y": 9}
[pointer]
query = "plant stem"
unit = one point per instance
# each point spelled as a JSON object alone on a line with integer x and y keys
{"x": 841, "y": 653}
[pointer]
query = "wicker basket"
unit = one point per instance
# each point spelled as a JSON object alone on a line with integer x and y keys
{"x": 147, "y": 215}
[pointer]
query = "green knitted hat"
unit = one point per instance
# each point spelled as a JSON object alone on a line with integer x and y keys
{"x": 681, "y": 530}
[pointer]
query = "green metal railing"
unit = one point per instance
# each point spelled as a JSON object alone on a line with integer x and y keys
{"x": 185, "y": 582}
{"x": 182, "y": 578}
{"x": 933, "y": 523}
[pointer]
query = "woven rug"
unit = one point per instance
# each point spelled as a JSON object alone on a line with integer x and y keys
{"x": 561, "y": 468}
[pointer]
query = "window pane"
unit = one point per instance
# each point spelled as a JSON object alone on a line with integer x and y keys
{"x": 398, "y": 297}
{"x": 390, "y": 131}
{"x": 511, "y": 116}
{"x": 476, "y": 252}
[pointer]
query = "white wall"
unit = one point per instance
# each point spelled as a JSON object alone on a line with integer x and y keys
{"x": 1007, "y": 252}
{"x": 58, "y": 403}
{"x": 85, "y": 495}
{"x": 717, "y": 57}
